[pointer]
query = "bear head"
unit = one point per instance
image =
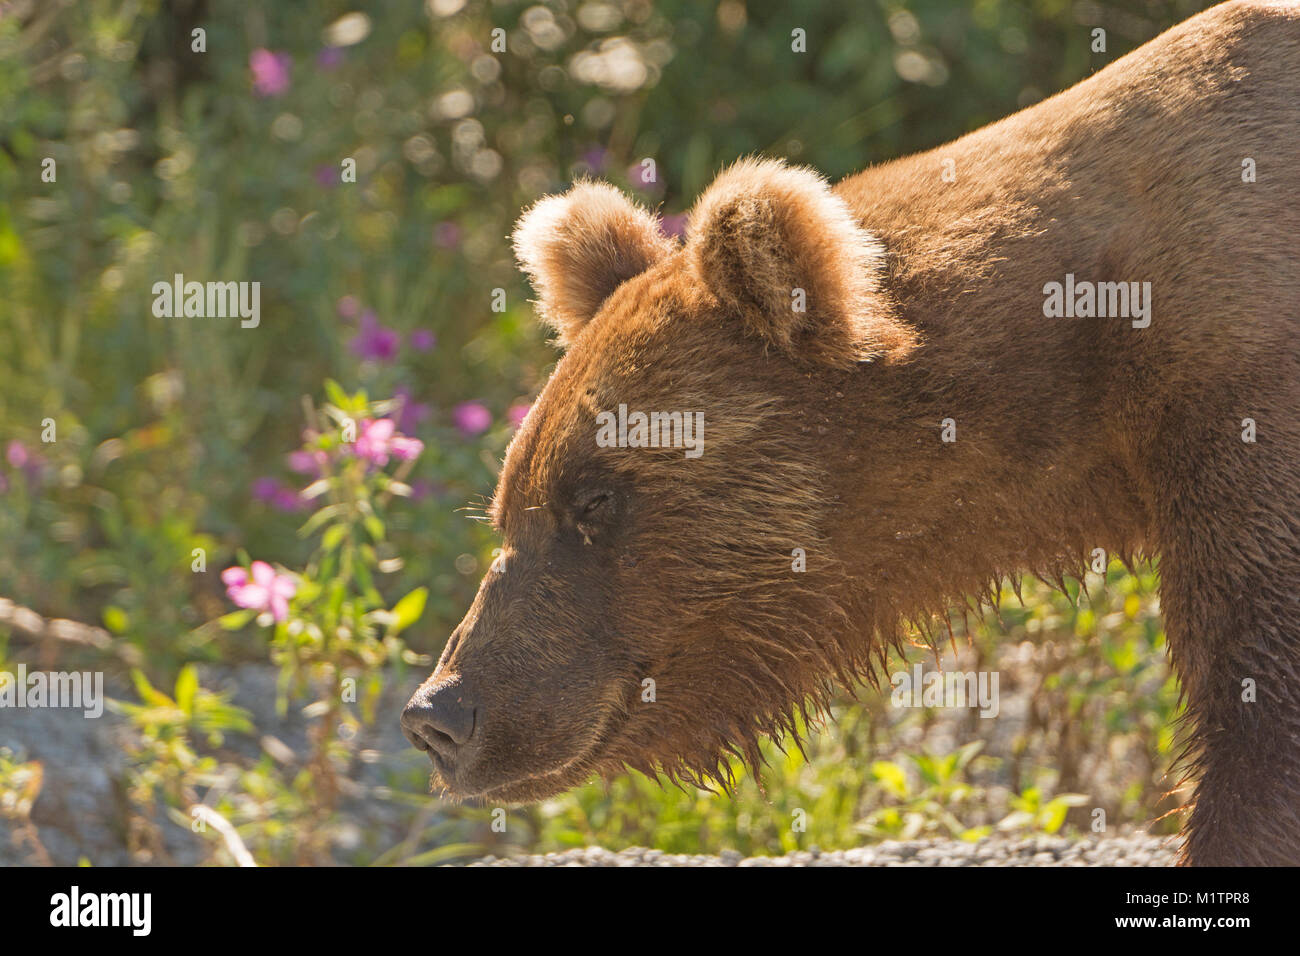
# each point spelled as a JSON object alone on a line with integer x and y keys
{"x": 647, "y": 610}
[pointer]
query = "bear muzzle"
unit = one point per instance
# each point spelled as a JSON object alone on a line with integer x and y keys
{"x": 440, "y": 719}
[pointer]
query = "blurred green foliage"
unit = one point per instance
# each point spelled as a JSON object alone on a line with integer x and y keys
{"x": 227, "y": 164}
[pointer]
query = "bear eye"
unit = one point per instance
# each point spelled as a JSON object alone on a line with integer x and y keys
{"x": 594, "y": 505}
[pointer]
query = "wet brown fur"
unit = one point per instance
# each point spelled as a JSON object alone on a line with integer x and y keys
{"x": 924, "y": 302}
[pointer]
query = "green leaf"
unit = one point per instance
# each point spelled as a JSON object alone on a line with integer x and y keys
{"x": 235, "y": 619}
{"x": 325, "y": 514}
{"x": 448, "y": 851}
{"x": 115, "y": 619}
{"x": 1053, "y": 815}
{"x": 333, "y": 536}
{"x": 147, "y": 692}
{"x": 187, "y": 685}
{"x": 408, "y": 610}
{"x": 334, "y": 392}
{"x": 335, "y": 606}
{"x": 891, "y": 776}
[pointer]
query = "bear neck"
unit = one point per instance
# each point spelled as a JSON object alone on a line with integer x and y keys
{"x": 992, "y": 447}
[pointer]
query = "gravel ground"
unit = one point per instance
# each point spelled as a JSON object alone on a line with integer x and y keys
{"x": 1135, "y": 850}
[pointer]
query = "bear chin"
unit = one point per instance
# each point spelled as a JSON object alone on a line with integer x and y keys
{"x": 530, "y": 786}
{"x": 515, "y": 791}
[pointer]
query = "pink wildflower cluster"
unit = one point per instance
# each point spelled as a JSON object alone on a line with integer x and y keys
{"x": 260, "y": 588}
{"x": 379, "y": 438}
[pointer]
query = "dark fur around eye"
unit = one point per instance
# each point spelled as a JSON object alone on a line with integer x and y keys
{"x": 593, "y": 505}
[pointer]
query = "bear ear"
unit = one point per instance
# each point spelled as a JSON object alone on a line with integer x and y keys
{"x": 578, "y": 247}
{"x": 783, "y": 252}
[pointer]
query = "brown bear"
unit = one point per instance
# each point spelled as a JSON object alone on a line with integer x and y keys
{"x": 1092, "y": 296}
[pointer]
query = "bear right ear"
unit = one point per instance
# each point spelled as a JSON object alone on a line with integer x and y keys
{"x": 784, "y": 254}
{"x": 578, "y": 247}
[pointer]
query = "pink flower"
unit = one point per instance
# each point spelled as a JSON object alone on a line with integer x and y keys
{"x": 25, "y": 460}
{"x": 287, "y": 499}
{"x": 471, "y": 418}
{"x": 375, "y": 341}
{"x": 372, "y": 445}
{"x": 17, "y": 455}
{"x": 329, "y": 58}
{"x": 674, "y": 225}
{"x": 270, "y": 72}
{"x": 595, "y": 158}
{"x": 275, "y": 493}
{"x": 405, "y": 449}
{"x": 640, "y": 175}
{"x": 411, "y": 413}
{"x": 516, "y": 414}
{"x": 309, "y": 463}
{"x": 263, "y": 590}
{"x": 645, "y": 178}
{"x": 379, "y": 438}
{"x": 423, "y": 340}
{"x": 264, "y": 488}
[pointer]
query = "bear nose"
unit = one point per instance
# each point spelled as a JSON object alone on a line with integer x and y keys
{"x": 439, "y": 719}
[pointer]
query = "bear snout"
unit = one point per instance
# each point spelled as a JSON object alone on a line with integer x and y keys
{"x": 440, "y": 720}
